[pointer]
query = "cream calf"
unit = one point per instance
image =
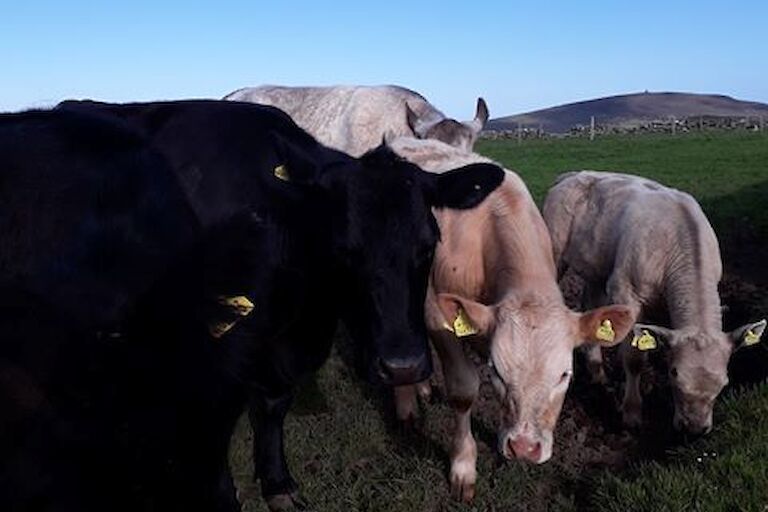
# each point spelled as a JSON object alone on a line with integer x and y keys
{"x": 493, "y": 290}
{"x": 639, "y": 243}
{"x": 355, "y": 119}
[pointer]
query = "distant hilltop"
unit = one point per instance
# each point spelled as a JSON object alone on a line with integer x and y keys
{"x": 629, "y": 110}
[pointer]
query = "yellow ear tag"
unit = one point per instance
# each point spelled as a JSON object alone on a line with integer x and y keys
{"x": 750, "y": 338}
{"x": 462, "y": 326}
{"x": 240, "y": 304}
{"x": 645, "y": 341}
{"x": 281, "y": 172}
{"x": 605, "y": 332}
{"x": 218, "y": 329}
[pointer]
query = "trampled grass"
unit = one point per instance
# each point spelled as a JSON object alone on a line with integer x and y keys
{"x": 346, "y": 454}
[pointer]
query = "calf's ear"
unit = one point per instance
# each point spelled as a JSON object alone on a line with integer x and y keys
{"x": 747, "y": 335}
{"x": 467, "y": 186}
{"x": 481, "y": 116}
{"x": 606, "y": 326}
{"x": 465, "y": 317}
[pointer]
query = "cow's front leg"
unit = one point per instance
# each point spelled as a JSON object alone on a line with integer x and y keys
{"x": 593, "y": 296}
{"x": 461, "y": 384}
{"x": 621, "y": 292}
{"x": 463, "y": 454}
{"x": 632, "y": 406}
{"x": 267, "y": 415}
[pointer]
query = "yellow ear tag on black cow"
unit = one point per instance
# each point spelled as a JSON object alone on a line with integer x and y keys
{"x": 281, "y": 172}
{"x": 462, "y": 326}
{"x": 605, "y": 332}
{"x": 239, "y": 305}
{"x": 750, "y": 338}
{"x": 644, "y": 342}
{"x": 219, "y": 329}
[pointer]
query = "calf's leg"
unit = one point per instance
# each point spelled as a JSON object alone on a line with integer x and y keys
{"x": 462, "y": 384}
{"x": 594, "y": 296}
{"x": 632, "y": 406}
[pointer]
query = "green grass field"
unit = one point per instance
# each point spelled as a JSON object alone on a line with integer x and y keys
{"x": 726, "y": 172}
{"x": 346, "y": 454}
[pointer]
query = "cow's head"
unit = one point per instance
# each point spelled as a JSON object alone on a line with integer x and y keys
{"x": 531, "y": 360}
{"x": 698, "y": 368}
{"x": 382, "y": 238}
{"x": 452, "y": 132}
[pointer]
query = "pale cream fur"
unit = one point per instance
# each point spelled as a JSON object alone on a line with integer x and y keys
{"x": 498, "y": 256}
{"x": 355, "y": 119}
{"x": 651, "y": 247}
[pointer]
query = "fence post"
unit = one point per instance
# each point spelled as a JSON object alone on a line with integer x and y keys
{"x": 674, "y": 125}
{"x": 592, "y": 128}
{"x": 762, "y": 123}
{"x": 519, "y": 133}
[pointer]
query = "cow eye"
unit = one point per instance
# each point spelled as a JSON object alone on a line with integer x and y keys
{"x": 565, "y": 377}
{"x": 673, "y": 372}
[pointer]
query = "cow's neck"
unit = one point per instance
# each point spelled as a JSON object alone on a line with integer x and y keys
{"x": 522, "y": 258}
{"x": 691, "y": 296}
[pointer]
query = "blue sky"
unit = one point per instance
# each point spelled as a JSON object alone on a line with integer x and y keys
{"x": 518, "y": 55}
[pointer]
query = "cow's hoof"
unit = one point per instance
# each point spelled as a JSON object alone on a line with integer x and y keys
{"x": 286, "y": 502}
{"x": 462, "y": 489}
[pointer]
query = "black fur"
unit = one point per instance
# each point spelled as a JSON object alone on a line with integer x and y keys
{"x": 342, "y": 239}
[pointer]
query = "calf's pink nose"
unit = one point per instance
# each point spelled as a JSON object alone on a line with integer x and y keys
{"x": 524, "y": 448}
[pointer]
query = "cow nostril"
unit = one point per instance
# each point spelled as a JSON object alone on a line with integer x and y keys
{"x": 525, "y": 449}
{"x": 403, "y": 371}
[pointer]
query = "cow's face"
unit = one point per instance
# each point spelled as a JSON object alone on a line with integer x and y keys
{"x": 384, "y": 235}
{"x": 454, "y": 133}
{"x": 698, "y": 369}
{"x": 531, "y": 347}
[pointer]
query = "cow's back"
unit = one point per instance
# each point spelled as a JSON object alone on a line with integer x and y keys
{"x": 486, "y": 249}
{"x": 607, "y": 222}
{"x": 353, "y": 119}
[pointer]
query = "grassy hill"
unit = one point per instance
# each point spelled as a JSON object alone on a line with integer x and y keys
{"x": 631, "y": 109}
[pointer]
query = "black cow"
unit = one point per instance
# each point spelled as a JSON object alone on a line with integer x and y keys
{"x": 356, "y": 240}
{"x": 113, "y": 393}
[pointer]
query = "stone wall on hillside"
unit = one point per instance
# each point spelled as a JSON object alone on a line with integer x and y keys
{"x": 670, "y": 125}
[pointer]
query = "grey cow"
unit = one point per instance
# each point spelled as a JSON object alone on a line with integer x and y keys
{"x": 355, "y": 119}
{"x": 639, "y": 243}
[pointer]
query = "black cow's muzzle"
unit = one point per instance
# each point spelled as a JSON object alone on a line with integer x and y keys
{"x": 401, "y": 371}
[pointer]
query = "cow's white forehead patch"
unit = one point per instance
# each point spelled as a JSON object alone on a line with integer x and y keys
{"x": 532, "y": 343}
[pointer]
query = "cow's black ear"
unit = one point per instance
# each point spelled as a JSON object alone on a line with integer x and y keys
{"x": 467, "y": 186}
{"x": 295, "y": 163}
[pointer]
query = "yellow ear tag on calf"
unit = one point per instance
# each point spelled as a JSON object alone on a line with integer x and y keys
{"x": 462, "y": 326}
{"x": 644, "y": 342}
{"x": 605, "y": 332}
{"x": 281, "y": 172}
{"x": 750, "y": 338}
{"x": 241, "y": 305}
